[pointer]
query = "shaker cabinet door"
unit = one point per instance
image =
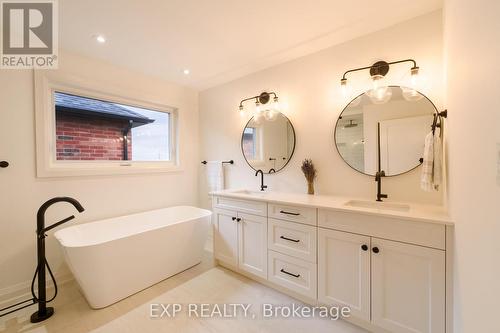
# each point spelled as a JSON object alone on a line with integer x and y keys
{"x": 344, "y": 271}
{"x": 408, "y": 287}
{"x": 252, "y": 240}
{"x": 226, "y": 236}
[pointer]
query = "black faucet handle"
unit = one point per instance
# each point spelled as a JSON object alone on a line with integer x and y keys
{"x": 69, "y": 218}
{"x": 379, "y": 175}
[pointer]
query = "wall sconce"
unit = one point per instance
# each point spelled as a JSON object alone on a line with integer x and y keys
{"x": 381, "y": 92}
{"x": 262, "y": 109}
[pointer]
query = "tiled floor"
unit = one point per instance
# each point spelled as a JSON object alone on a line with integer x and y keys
{"x": 203, "y": 283}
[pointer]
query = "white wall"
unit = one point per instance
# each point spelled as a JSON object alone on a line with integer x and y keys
{"x": 22, "y": 193}
{"x": 472, "y": 31}
{"x": 310, "y": 88}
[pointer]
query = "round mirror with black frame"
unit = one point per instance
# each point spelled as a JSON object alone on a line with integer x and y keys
{"x": 384, "y": 131}
{"x": 268, "y": 143}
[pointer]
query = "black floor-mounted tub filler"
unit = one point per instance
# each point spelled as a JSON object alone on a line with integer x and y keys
{"x": 43, "y": 312}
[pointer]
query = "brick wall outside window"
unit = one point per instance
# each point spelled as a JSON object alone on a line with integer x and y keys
{"x": 84, "y": 138}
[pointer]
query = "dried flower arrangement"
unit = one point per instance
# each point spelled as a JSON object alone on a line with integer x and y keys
{"x": 310, "y": 173}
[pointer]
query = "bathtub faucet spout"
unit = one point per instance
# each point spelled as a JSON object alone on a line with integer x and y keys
{"x": 45, "y": 312}
{"x": 40, "y": 216}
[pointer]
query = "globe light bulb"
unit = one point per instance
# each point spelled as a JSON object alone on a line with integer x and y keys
{"x": 414, "y": 78}
{"x": 380, "y": 93}
{"x": 344, "y": 87}
{"x": 411, "y": 95}
{"x": 242, "y": 111}
{"x": 257, "y": 118}
{"x": 271, "y": 115}
{"x": 276, "y": 105}
{"x": 257, "y": 107}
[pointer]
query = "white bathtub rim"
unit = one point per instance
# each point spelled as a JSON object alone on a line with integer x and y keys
{"x": 57, "y": 234}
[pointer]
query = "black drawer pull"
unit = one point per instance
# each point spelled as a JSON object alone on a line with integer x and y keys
{"x": 288, "y": 213}
{"x": 290, "y": 239}
{"x": 291, "y": 274}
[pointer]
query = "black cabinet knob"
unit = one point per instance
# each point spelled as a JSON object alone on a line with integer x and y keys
{"x": 364, "y": 247}
{"x": 233, "y": 218}
{"x": 4, "y": 164}
{"x": 238, "y": 219}
{"x": 375, "y": 250}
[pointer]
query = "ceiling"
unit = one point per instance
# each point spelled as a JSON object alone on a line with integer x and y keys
{"x": 220, "y": 40}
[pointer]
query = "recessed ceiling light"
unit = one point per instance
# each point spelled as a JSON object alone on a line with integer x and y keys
{"x": 186, "y": 72}
{"x": 100, "y": 39}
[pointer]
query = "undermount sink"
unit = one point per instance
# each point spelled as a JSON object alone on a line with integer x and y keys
{"x": 378, "y": 205}
{"x": 248, "y": 192}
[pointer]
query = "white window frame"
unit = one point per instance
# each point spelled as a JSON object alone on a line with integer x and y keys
{"x": 49, "y": 166}
{"x": 259, "y": 146}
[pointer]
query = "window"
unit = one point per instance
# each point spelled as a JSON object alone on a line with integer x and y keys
{"x": 83, "y": 131}
{"x": 250, "y": 142}
{"x": 89, "y": 129}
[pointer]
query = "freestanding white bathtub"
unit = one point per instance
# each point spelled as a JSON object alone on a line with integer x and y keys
{"x": 115, "y": 258}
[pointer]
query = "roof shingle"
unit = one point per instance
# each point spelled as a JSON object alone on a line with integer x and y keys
{"x": 77, "y": 104}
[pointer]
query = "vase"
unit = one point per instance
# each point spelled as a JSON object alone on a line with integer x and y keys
{"x": 310, "y": 188}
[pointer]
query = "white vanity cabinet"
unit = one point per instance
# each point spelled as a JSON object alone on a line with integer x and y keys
{"x": 240, "y": 239}
{"x": 389, "y": 269}
{"x": 397, "y": 286}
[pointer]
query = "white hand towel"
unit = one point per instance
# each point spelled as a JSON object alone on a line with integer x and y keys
{"x": 432, "y": 166}
{"x": 428, "y": 164}
{"x": 215, "y": 176}
{"x": 437, "y": 174}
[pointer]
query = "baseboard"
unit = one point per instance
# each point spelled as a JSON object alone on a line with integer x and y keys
{"x": 22, "y": 291}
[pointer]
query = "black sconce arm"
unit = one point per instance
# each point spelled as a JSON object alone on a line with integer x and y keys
{"x": 265, "y": 96}
{"x": 379, "y": 65}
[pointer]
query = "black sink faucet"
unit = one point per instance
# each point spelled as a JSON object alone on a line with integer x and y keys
{"x": 262, "y": 186}
{"x": 378, "y": 179}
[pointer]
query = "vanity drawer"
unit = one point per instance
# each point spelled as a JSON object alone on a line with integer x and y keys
{"x": 291, "y": 273}
{"x": 398, "y": 229}
{"x": 244, "y": 206}
{"x": 294, "y": 239}
{"x": 303, "y": 215}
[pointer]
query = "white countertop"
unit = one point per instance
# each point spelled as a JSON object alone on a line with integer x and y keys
{"x": 416, "y": 212}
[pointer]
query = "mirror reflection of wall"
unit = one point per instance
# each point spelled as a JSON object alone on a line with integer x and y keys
{"x": 268, "y": 144}
{"x": 403, "y": 127}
